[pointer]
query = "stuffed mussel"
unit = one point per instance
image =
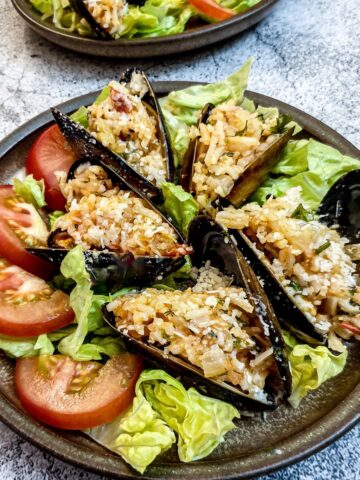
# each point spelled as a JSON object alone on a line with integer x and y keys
{"x": 221, "y": 333}
{"x": 127, "y": 120}
{"x": 231, "y": 152}
{"x": 303, "y": 265}
{"x": 126, "y": 240}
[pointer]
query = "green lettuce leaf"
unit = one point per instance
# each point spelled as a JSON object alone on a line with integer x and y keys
{"x": 31, "y": 190}
{"x": 201, "y": 422}
{"x": 180, "y": 205}
{"x": 181, "y": 108}
{"x": 53, "y": 217}
{"x": 310, "y": 164}
{"x": 239, "y": 6}
{"x": 162, "y": 405}
{"x": 43, "y": 6}
{"x": 80, "y": 116}
{"x": 26, "y": 347}
{"x": 310, "y": 367}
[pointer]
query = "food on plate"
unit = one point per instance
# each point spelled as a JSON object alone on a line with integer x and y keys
{"x": 114, "y": 19}
{"x": 230, "y": 153}
{"x": 308, "y": 260}
{"x": 20, "y": 291}
{"x": 139, "y": 263}
{"x": 74, "y": 395}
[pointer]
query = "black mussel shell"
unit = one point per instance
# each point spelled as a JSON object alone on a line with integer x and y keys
{"x": 285, "y": 309}
{"x": 81, "y": 9}
{"x": 341, "y": 206}
{"x": 252, "y": 177}
{"x": 87, "y": 148}
{"x": 150, "y": 99}
{"x": 114, "y": 270}
{"x": 212, "y": 243}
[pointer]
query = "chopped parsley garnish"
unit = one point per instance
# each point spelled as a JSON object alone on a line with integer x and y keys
{"x": 322, "y": 247}
{"x": 302, "y": 214}
{"x": 295, "y": 286}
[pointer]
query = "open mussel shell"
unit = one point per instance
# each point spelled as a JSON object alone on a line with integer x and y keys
{"x": 114, "y": 270}
{"x": 154, "y": 109}
{"x": 87, "y": 147}
{"x": 82, "y": 10}
{"x": 340, "y": 208}
{"x": 211, "y": 243}
{"x": 285, "y": 309}
{"x": 253, "y": 175}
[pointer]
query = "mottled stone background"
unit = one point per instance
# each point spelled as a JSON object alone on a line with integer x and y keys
{"x": 307, "y": 53}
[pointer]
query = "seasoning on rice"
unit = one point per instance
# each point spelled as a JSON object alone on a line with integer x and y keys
{"x": 307, "y": 257}
{"x": 126, "y": 125}
{"x": 212, "y": 330}
{"x": 102, "y": 216}
{"x": 228, "y": 143}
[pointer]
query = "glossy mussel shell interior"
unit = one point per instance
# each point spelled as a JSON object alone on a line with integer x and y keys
{"x": 206, "y": 237}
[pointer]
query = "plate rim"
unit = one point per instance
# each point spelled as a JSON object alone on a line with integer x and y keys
{"x": 334, "y": 425}
{"x": 28, "y": 13}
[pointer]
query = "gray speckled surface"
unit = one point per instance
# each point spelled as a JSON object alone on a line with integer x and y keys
{"x": 307, "y": 53}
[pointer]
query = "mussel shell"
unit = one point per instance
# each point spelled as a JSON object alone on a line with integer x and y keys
{"x": 150, "y": 99}
{"x": 212, "y": 243}
{"x": 254, "y": 174}
{"x": 115, "y": 270}
{"x": 285, "y": 309}
{"x": 88, "y": 148}
{"x": 82, "y": 10}
{"x": 341, "y": 206}
{"x": 191, "y": 376}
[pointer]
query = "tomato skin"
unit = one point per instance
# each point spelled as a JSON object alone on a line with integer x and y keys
{"x": 212, "y": 9}
{"x": 12, "y": 248}
{"x": 48, "y": 154}
{"x": 101, "y": 401}
{"x": 35, "y": 318}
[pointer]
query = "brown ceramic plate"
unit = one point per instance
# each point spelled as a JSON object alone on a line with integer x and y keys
{"x": 192, "y": 38}
{"x": 256, "y": 447}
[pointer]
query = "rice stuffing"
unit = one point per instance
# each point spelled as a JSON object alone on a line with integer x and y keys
{"x": 127, "y": 126}
{"x": 102, "y": 216}
{"x": 227, "y": 144}
{"x": 108, "y": 14}
{"x": 307, "y": 257}
{"x": 212, "y": 330}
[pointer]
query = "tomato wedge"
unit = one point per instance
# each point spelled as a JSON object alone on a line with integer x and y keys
{"x": 21, "y": 226}
{"x": 28, "y": 306}
{"x": 76, "y": 395}
{"x": 50, "y": 153}
{"x": 211, "y": 9}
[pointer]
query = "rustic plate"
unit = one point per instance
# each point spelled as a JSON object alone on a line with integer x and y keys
{"x": 196, "y": 37}
{"x": 255, "y": 447}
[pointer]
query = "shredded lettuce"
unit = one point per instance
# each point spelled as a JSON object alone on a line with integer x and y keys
{"x": 161, "y": 406}
{"x": 31, "y": 190}
{"x": 181, "y": 108}
{"x": 53, "y": 217}
{"x": 310, "y": 367}
{"x": 180, "y": 205}
{"x": 310, "y": 164}
{"x": 239, "y": 6}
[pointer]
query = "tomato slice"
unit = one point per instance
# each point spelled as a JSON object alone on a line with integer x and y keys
{"x": 350, "y": 328}
{"x": 21, "y": 293}
{"x": 50, "y": 153}
{"x": 211, "y": 9}
{"x": 21, "y": 226}
{"x": 76, "y": 395}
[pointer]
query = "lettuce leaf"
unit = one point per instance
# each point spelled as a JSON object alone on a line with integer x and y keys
{"x": 53, "y": 217}
{"x": 180, "y": 205}
{"x": 181, "y": 108}
{"x": 26, "y": 347}
{"x": 310, "y": 367}
{"x": 239, "y": 6}
{"x": 310, "y": 164}
{"x": 201, "y": 422}
{"x": 162, "y": 405}
{"x": 33, "y": 191}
